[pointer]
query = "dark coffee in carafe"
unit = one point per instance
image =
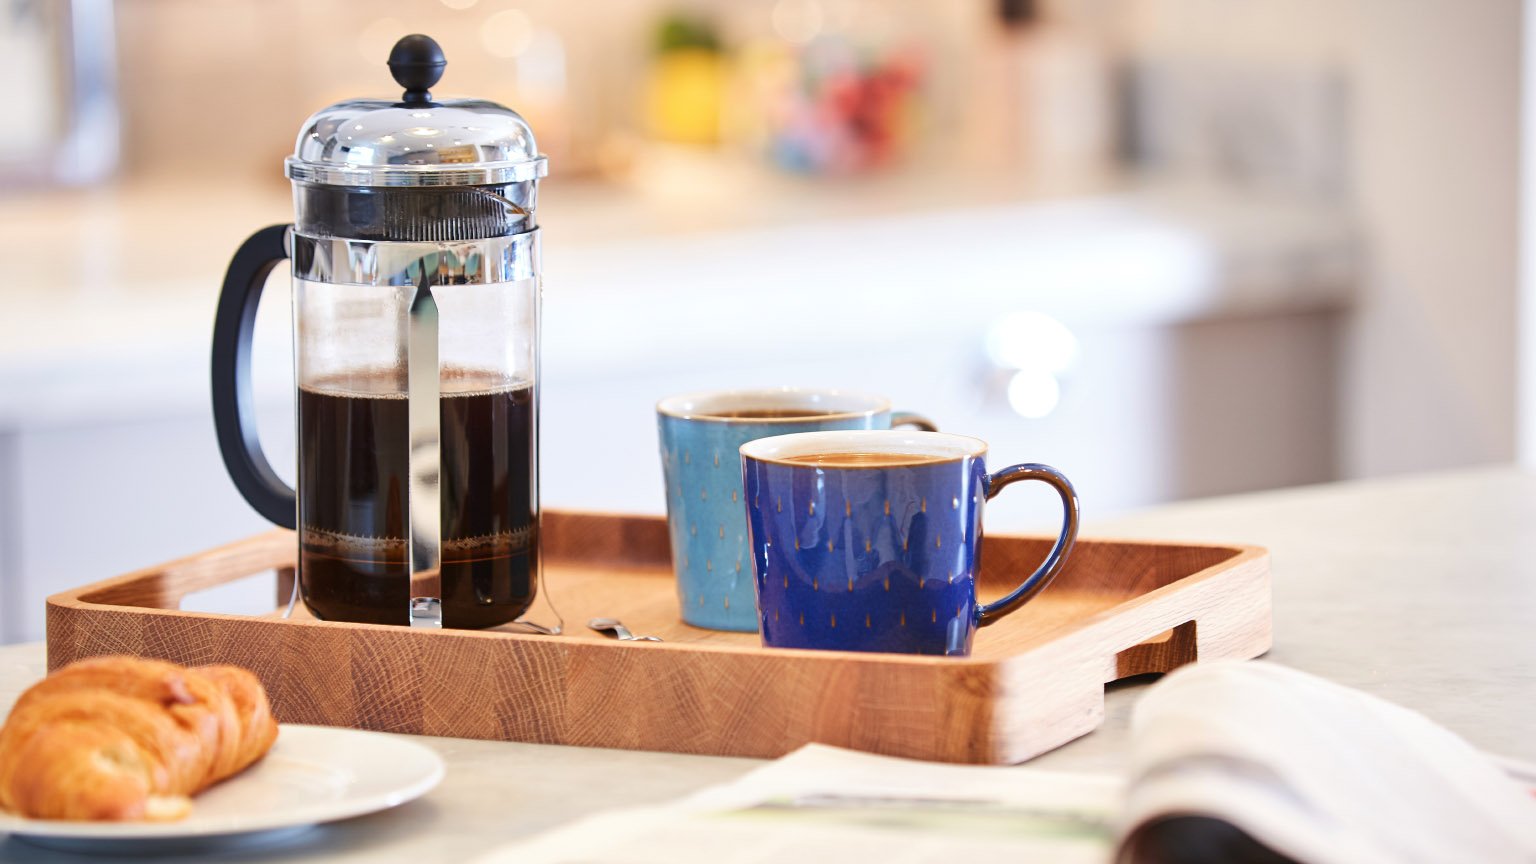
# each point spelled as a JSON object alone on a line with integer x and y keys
{"x": 353, "y": 475}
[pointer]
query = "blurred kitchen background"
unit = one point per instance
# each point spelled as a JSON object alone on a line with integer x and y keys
{"x": 1175, "y": 247}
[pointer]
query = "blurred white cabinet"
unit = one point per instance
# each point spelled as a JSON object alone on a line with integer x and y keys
{"x": 89, "y": 502}
{"x": 1147, "y": 414}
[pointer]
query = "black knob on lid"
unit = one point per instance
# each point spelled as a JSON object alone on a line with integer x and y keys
{"x": 417, "y": 63}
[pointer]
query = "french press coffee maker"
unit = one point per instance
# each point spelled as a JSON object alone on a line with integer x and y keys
{"x": 415, "y": 257}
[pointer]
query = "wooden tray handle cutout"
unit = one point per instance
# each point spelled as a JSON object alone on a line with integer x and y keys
{"x": 1162, "y": 653}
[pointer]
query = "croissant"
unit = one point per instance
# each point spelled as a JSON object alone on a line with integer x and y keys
{"x": 124, "y": 738}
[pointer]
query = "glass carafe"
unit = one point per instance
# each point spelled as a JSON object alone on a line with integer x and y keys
{"x": 416, "y": 333}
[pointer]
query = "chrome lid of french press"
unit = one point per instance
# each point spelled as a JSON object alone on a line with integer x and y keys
{"x": 417, "y": 141}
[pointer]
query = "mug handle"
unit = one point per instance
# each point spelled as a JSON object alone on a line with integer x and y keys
{"x": 907, "y": 418}
{"x": 990, "y": 613}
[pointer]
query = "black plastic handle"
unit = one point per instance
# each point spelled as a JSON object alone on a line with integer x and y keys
{"x": 234, "y": 405}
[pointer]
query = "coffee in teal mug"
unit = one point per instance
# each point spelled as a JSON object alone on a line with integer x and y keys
{"x": 701, "y": 437}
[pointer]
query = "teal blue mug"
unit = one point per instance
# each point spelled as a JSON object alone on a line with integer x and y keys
{"x": 701, "y": 437}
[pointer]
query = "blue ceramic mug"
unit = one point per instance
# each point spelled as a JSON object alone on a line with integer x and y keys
{"x": 871, "y": 541}
{"x": 701, "y": 435}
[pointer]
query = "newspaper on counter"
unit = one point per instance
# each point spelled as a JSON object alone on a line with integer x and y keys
{"x": 1286, "y": 764}
{"x": 821, "y": 804}
{"x": 1319, "y": 772}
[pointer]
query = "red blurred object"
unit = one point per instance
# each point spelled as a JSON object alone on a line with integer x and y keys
{"x": 849, "y": 114}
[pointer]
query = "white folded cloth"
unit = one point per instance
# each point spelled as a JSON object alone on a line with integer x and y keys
{"x": 1319, "y": 772}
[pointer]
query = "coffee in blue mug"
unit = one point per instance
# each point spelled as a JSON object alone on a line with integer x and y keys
{"x": 701, "y": 435}
{"x": 871, "y": 540}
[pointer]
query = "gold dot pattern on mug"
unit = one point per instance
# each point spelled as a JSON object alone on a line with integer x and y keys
{"x": 902, "y": 521}
{"x": 697, "y": 493}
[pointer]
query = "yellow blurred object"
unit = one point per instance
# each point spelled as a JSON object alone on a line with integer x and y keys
{"x": 685, "y": 95}
{"x": 764, "y": 70}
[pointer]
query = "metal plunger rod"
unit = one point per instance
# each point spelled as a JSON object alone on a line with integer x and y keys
{"x": 423, "y": 498}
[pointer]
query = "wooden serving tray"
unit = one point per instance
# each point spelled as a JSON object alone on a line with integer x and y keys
{"x": 1035, "y": 680}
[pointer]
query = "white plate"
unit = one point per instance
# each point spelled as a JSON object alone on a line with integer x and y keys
{"x": 312, "y": 774}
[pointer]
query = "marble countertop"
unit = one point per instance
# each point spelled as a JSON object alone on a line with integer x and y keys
{"x": 1421, "y": 590}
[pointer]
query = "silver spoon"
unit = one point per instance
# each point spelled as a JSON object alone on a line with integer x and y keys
{"x": 612, "y": 625}
{"x": 538, "y": 628}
